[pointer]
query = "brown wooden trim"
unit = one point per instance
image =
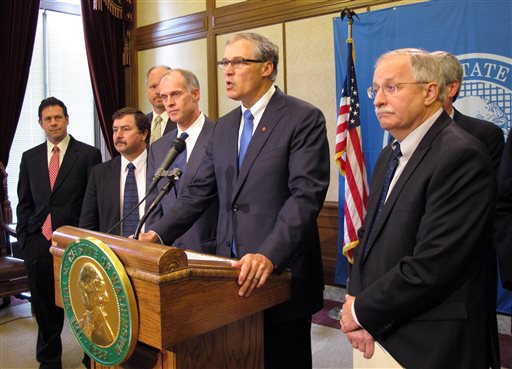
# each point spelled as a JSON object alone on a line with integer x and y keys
{"x": 228, "y": 19}
{"x": 172, "y": 31}
{"x": 328, "y": 229}
{"x": 283, "y": 62}
{"x": 261, "y": 13}
{"x": 211, "y": 56}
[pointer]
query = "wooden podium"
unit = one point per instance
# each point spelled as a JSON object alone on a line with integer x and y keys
{"x": 190, "y": 314}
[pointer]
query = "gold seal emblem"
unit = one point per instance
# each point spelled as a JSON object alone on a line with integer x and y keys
{"x": 99, "y": 302}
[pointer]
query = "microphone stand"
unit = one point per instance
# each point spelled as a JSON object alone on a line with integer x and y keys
{"x": 172, "y": 176}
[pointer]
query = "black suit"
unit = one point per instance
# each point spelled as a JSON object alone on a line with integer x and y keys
{"x": 503, "y": 221}
{"x": 169, "y": 126}
{"x": 270, "y": 207}
{"x": 65, "y": 202}
{"x": 424, "y": 289}
{"x": 101, "y": 207}
{"x": 489, "y": 133}
{"x": 201, "y": 236}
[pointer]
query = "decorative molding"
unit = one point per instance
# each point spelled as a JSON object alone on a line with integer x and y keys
{"x": 172, "y": 31}
{"x": 227, "y": 19}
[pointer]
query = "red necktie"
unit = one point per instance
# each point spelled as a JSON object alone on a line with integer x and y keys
{"x": 53, "y": 170}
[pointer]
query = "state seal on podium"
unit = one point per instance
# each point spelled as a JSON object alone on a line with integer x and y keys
{"x": 98, "y": 301}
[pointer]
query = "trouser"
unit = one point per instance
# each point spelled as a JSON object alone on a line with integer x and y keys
{"x": 49, "y": 317}
{"x": 288, "y": 344}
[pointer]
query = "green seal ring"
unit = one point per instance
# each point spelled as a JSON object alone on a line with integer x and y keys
{"x": 98, "y": 301}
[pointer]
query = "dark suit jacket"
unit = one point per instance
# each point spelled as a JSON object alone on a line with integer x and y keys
{"x": 170, "y": 125}
{"x": 65, "y": 201}
{"x": 425, "y": 288}
{"x": 489, "y": 133}
{"x": 271, "y": 206}
{"x": 503, "y": 221}
{"x": 101, "y": 208}
{"x": 201, "y": 236}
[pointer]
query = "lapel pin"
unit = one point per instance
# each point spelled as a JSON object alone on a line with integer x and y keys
{"x": 263, "y": 129}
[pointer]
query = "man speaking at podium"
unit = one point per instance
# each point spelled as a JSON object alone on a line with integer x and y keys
{"x": 268, "y": 164}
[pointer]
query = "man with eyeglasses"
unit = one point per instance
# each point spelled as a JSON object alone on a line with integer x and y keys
{"x": 268, "y": 164}
{"x": 421, "y": 284}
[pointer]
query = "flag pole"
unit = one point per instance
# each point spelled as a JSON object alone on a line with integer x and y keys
{"x": 349, "y": 14}
{"x": 335, "y": 313}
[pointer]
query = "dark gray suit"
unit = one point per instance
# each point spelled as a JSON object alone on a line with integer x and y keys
{"x": 201, "y": 236}
{"x": 269, "y": 207}
{"x": 101, "y": 208}
{"x": 65, "y": 202}
{"x": 489, "y": 133}
{"x": 425, "y": 289}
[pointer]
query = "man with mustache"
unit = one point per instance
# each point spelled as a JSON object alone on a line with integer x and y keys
{"x": 422, "y": 282}
{"x": 117, "y": 185}
{"x": 51, "y": 190}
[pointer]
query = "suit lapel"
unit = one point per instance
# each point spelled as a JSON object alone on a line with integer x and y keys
{"x": 272, "y": 115}
{"x": 197, "y": 154}
{"x": 416, "y": 158}
{"x": 114, "y": 175}
{"x": 41, "y": 169}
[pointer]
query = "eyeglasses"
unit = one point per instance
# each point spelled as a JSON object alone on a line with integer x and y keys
{"x": 237, "y": 62}
{"x": 388, "y": 88}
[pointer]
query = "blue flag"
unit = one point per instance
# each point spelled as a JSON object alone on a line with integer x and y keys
{"x": 477, "y": 32}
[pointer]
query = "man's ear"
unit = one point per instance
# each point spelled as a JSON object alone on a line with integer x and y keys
{"x": 431, "y": 92}
{"x": 451, "y": 89}
{"x": 268, "y": 69}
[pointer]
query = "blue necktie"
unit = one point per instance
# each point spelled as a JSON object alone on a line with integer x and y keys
{"x": 246, "y": 136}
{"x": 130, "y": 200}
{"x": 393, "y": 164}
{"x": 181, "y": 162}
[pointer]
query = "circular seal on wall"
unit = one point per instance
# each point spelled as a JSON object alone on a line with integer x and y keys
{"x": 99, "y": 302}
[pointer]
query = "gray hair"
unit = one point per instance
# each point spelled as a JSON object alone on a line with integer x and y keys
{"x": 191, "y": 80}
{"x": 425, "y": 67}
{"x": 451, "y": 68}
{"x": 265, "y": 49}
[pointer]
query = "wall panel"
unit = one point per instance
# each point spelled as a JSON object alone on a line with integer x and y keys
{"x": 154, "y": 11}
{"x": 310, "y": 74}
{"x": 187, "y": 55}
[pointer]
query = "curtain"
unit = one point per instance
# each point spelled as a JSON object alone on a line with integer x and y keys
{"x": 18, "y": 23}
{"x": 105, "y": 41}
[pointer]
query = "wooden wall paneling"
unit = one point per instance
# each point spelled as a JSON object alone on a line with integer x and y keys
{"x": 226, "y": 19}
{"x": 171, "y": 31}
{"x": 328, "y": 229}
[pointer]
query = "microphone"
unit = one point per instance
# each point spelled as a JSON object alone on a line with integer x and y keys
{"x": 177, "y": 147}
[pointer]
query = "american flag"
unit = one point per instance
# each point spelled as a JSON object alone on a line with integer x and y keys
{"x": 350, "y": 157}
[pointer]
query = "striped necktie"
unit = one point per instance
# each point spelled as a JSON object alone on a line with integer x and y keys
{"x": 393, "y": 164}
{"x": 53, "y": 171}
